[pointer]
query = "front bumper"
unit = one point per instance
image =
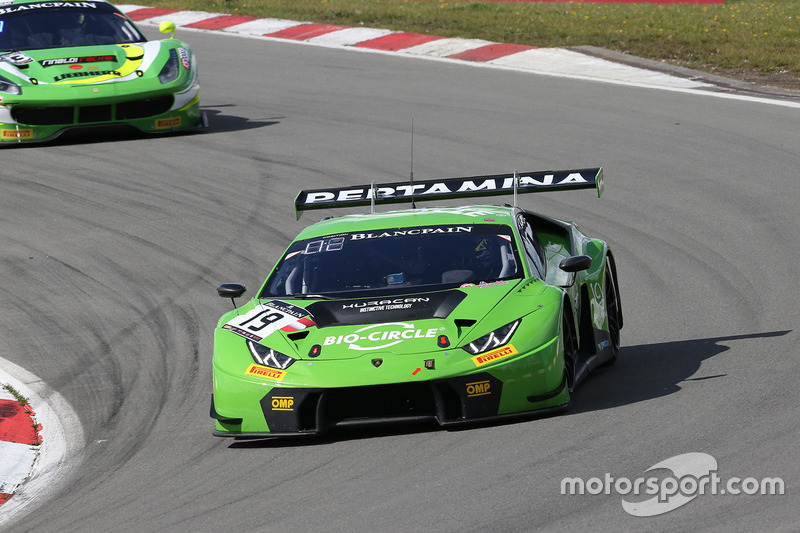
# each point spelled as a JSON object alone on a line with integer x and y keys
{"x": 532, "y": 382}
{"x": 154, "y": 113}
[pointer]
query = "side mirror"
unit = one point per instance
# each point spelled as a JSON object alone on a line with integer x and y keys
{"x": 576, "y": 263}
{"x": 231, "y": 290}
{"x": 167, "y": 27}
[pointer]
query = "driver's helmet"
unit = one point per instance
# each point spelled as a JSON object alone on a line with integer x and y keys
{"x": 70, "y": 28}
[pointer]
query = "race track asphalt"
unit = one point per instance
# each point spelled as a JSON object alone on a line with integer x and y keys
{"x": 112, "y": 249}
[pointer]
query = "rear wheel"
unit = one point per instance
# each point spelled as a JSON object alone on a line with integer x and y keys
{"x": 570, "y": 351}
{"x": 612, "y": 312}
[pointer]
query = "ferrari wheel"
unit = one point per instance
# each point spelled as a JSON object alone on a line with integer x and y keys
{"x": 570, "y": 352}
{"x": 612, "y": 312}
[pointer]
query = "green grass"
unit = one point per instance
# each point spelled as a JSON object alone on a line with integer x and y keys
{"x": 23, "y": 401}
{"x": 758, "y": 36}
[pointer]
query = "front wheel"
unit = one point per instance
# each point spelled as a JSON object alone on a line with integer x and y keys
{"x": 613, "y": 312}
{"x": 570, "y": 351}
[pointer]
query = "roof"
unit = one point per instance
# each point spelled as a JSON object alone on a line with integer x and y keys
{"x": 474, "y": 214}
{"x": 49, "y": 5}
{"x": 32, "y": 6}
{"x": 52, "y": 4}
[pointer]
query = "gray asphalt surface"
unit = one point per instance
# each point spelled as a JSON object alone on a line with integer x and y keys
{"x": 112, "y": 249}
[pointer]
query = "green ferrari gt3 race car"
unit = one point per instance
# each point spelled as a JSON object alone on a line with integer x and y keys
{"x": 67, "y": 65}
{"x": 458, "y": 314}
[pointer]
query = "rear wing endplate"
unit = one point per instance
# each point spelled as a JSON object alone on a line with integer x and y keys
{"x": 450, "y": 188}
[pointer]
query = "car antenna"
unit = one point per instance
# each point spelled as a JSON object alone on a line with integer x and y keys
{"x": 413, "y": 205}
{"x": 516, "y": 184}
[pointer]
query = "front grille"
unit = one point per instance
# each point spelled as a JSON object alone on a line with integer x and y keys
{"x": 378, "y": 402}
{"x": 51, "y": 116}
{"x": 450, "y": 406}
{"x": 95, "y": 113}
{"x": 449, "y": 401}
{"x": 43, "y": 116}
{"x": 144, "y": 108}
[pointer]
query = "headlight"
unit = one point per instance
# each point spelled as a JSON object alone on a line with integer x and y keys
{"x": 9, "y": 87}
{"x": 495, "y": 339}
{"x": 268, "y": 357}
{"x": 170, "y": 71}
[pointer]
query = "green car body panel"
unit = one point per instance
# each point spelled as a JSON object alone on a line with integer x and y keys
{"x": 47, "y": 89}
{"x": 416, "y": 352}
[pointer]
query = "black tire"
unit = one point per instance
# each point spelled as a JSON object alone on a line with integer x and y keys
{"x": 570, "y": 350}
{"x": 613, "y": 312}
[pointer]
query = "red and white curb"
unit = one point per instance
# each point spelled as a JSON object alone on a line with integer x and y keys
{"x": 557, "y": 62}
{"x": 19, "y": 443}
{"x": 547, "y": 61}
{"x": 39, "y": 442}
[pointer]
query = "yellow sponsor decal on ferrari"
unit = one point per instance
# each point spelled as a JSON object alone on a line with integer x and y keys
{"x": 266, "y": 372}
{"x": 494, "y": 355}
{"x": 133, "y": 60}
{"x": 164, "y": 123}
{"x": 17, "y": 134}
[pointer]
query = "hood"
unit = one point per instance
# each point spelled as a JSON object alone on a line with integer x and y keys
{"x": 86, "y": 64}
{"x": 402, "y": 324}
{"x": 385, "y": 309}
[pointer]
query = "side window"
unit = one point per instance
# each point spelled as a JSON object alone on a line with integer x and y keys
{"x": 533, "y": 249}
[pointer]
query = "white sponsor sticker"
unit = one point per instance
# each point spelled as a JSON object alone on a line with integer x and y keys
{"x": 380, "y": 336}
{"x": 266, "y": 319}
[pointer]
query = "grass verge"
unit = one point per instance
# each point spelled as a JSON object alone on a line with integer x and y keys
{"x": 23, "y": 401}
{"x": 746, "y": 39}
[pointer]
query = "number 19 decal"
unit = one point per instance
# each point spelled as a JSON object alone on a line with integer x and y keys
{"x": 265, "y": 319}
{"x": 258, "y": 323}
{"x": 260, "y": 320}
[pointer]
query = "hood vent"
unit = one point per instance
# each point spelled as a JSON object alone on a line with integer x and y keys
{"x": 298, "y": 335}
{"x": 464, "y": 323}
{"x": 530, "y": 285}
{"x": 385, "y": 309}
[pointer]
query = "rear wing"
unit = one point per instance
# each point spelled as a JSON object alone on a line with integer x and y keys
{"x": 449, "y": 188}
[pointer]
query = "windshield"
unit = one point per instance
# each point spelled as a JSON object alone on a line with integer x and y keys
{"x": 431, "y": 257}
{"x": 38, "y": 26}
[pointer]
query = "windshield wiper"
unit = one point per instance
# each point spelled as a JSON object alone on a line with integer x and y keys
{"x": 311, "y": 297}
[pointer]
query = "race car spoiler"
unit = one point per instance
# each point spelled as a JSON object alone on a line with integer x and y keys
{"x": 449, "y": 188}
